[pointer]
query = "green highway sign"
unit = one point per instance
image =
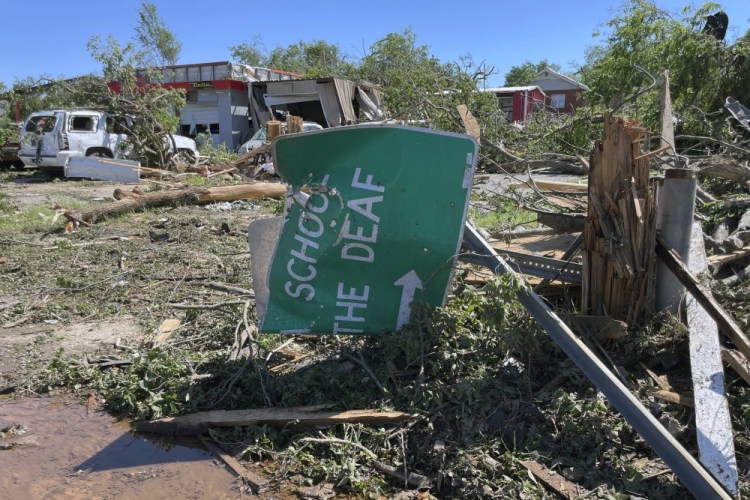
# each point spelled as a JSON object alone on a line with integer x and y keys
{"x": 373, "y": 222}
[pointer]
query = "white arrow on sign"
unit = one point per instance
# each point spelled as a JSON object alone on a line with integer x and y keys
{"x": 411, "y": 282}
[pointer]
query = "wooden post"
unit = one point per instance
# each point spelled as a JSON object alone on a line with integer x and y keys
{"x": 293, "y": 124}
{"x": 618, "y": 240}
{"x": 274, "y": 129}
{"x": 667, "y": 127}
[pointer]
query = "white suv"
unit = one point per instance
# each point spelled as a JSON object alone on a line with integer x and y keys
{"x": 48, "y": 138}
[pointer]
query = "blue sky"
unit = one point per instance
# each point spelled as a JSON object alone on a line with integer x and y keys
{"x": 48, "y": 37}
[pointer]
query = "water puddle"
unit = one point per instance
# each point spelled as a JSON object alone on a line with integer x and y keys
{"x": 52, "y": 449}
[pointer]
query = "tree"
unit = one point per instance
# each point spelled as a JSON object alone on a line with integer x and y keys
{"x": 155, "y": 109}
{"x": 417, "y": 86}
{"x": 311, "y": 59}
{"x": 525, "y": 74}
{"x": 252, "y": 54}
{"x": 160, "y": 45}
{"x": 6, "y": 123}
{"x": 644, "y": 40}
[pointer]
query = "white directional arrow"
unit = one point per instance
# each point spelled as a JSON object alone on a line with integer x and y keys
{"x": 411, "y": 282}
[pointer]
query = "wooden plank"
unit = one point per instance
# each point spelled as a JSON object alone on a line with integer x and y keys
{"x": 165, "y": 330}
{"x": 198, "y": 423}
{"x": 471, "y": 125}
{"x": 674, "y": 397}
{"x": 554, "y": 481}
{"x": 737, "y": 362}
{"x": 713, "y": 422}
{"x": 256, "y": 482}
{"x": 667, "y": 119}
{"x": 704, "y": 297}
{"x": 716, "y": 261}
{"x": 564, "y": 187}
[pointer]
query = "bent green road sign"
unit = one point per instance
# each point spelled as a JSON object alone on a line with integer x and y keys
{"x": 378, "y": 226}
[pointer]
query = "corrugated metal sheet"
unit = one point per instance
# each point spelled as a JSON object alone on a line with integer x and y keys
{"x": 369, "y": 106}
{"x": 329, "y": 103}
{"x": 279, "y": 99}
{"x": 345, "y": 90}
{"x": 291, "y": 87}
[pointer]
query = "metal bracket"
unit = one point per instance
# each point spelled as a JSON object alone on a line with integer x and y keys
{"x": 536, "y": 265}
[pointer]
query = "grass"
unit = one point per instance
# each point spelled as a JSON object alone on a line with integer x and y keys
{"x": 8, "y": 175}
{"x": 37, "y": 218}
{"x": 489, "y": 387}
{"x": 498, "y": 214}
{"x": 197, "y": 180}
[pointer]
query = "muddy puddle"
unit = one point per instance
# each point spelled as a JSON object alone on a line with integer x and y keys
{"x": 53, "y": 449}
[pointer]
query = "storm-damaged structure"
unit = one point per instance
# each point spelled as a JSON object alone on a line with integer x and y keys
{"x": 331, "y": 102}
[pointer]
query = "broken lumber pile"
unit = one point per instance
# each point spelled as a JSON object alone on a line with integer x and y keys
{"x": 618, "y": 243}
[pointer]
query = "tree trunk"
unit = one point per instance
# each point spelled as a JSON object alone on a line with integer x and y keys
{"x": 191, "y": 196}
{"x": 618, "y": 248}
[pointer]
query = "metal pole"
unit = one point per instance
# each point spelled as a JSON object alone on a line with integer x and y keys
{"x": 674, "y": 222}
{"x": 699, "y": 481}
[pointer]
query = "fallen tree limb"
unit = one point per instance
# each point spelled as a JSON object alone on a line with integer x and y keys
{"x": 501, "y": 149}
{"x": 564, "y": 187}
{"x": 229, "y": 289}
{"x": 198, "y": 423}
{"x": 412, "y": 478}
{"x": 725, "y": 168}
{"x": 207, "y": 307}
{"x": 558, "y": 166}
{"x": 189, "y": 196}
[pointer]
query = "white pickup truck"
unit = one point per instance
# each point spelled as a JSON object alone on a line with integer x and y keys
{"x": 49, "y": 138}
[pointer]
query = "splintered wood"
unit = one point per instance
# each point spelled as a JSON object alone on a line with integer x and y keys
{"x": 618, "y": 239}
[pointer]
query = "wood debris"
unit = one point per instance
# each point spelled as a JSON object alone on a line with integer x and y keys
{"x": 619, "y": 235}
{"x": 554, "y": 481}
{"x": 198, "y": 423}
{"x": 704, "y": 297}
{"x": 195, "y": 195}
{"x": 166, "y": 329}
{"x": 258, "y": 483}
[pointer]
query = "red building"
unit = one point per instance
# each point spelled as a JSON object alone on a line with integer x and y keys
{"x": 564, "y": 94}
{"x": 518, "y": 103}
